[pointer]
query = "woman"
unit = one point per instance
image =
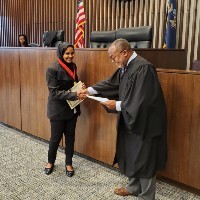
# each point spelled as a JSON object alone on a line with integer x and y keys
{"x": 23, "y": 41}
{"x": 60, "y": 77}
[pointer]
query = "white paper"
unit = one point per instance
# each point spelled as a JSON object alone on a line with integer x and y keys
{"x": 100, "y": 99}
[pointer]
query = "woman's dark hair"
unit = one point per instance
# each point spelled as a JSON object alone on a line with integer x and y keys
{"x": 25, "y": 38}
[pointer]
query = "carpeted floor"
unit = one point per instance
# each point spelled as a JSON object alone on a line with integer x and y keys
{"x": 22, "y": 159}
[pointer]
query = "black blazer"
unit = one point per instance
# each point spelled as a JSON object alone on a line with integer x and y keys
{"x": 59, "y": 82}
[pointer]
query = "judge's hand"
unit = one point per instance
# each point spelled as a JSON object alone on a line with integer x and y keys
{"x": 111, "y": 104}
{"x": 85, "y": 91}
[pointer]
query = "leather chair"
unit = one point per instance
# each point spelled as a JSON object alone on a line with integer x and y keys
{"x": 101, "y": 39}
{"x": 53, "y": 38}
{"x": 138, "y": 37}
{"x": 34, "y": 45}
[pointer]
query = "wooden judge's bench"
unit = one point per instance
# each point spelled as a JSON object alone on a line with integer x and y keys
{"x": 23, "y": 99}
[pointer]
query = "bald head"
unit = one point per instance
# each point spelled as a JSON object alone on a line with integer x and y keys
{"x": 121, "y": 44}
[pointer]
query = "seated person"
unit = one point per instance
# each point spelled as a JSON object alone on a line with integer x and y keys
{"x": 23, "y": 41}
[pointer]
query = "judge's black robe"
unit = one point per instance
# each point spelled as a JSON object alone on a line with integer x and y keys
{"x": 141, "y": 147}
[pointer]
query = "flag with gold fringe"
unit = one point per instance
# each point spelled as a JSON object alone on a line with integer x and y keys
{"x": 80, "y": 26}
{"x": 170, "y": 27}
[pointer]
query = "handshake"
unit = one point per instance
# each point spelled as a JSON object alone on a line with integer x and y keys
{"x": 82, "y": 94}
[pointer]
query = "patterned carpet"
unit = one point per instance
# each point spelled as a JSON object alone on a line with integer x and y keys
{"x": 23, "y": 157}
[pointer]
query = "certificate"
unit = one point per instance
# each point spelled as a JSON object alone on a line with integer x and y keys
{"x": 75, "y": 88}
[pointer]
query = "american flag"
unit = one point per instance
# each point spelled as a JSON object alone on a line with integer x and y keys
{"x": 80, "y": 26}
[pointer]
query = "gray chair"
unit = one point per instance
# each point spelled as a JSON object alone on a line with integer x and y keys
{"x": 101, "y": 39}
{"x": 53, "y": 38}
{"x": 196, "y": 65}
{"x": 138, "y": 37}
{"x": 34, "y": 45}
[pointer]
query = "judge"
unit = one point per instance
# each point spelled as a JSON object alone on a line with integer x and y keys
{"x": 135, "y": 92}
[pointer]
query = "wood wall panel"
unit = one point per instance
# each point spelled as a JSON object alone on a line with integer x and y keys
{"x": 34, "y": 92}
{"x": 10, "y": 96}
{"x": 95, "y": 137}
{"x": 33, "y": 17}
{"x": 182, "y": 97}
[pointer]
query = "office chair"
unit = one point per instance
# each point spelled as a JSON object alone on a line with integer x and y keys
{"x": 138, "y": 37}
{"x": 34, "y": 45}
{"x": 101, "y": 39}
{"x": 196, "y": 65}
{"x": 53, "y": 38}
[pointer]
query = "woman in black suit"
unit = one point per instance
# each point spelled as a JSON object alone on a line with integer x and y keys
{"x": 60, "y": 77}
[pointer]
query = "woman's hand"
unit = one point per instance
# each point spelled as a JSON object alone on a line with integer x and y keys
{"x": 83, "y": 86}
{"x": 81, "y": 94}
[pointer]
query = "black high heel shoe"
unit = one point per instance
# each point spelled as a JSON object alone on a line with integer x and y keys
{"x": 69, "y": 173}
{"x": 48, "y": 171}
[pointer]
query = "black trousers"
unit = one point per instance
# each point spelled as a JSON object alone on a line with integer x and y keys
{"x": 58, "y": 128}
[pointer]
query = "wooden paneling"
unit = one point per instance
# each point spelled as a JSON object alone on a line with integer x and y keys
{"x": 23, "y": 99}
{"x": 33, "y": 17}
{"x": 165, "y": 58}
{"x": 10, "y": 97}
{"x": 34, "y": 92}
{"x": 182, "y": 97}
{"x": 95, "y": 137}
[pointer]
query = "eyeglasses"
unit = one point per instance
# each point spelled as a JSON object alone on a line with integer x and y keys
{"x": 113, "y": 59}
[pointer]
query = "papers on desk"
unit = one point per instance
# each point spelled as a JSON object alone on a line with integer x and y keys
{"x": 75, "y": 88}
{"x": 100, "y": 99}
